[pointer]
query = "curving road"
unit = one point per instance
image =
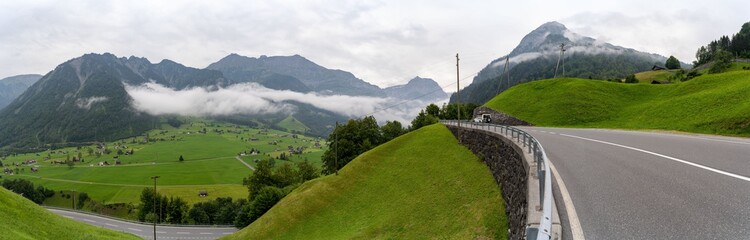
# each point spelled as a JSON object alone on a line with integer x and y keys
{"x": 649, "y": 185}
{"x": 146, "y": 231}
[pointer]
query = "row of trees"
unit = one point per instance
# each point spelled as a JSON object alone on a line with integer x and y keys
{"x": 26, "y": 189}
{"x": 349, "y": 140}
{"x": 355, "y": 137}
{"x": 266, "y": 186}
{"x": 725, "y": 47}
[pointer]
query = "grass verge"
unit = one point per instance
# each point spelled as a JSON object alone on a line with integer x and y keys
{"x": 421, "y": 185}
{"x": 23, "y": 219}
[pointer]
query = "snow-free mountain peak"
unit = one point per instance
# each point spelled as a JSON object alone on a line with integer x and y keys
{"x": 418, "y": 88}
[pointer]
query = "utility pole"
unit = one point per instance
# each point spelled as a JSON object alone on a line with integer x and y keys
{"x": 507, "y": 71}
{"x": 562, "y": 52}
{"x": 507, "y": 82}
{"x": 458, "y": 101}
{"x": 336, "y": 148}
{"x": 154, "y": 202}
{"x": 562, "y": 48}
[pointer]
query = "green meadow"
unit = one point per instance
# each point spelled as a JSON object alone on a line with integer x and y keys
{"x": 209, "y": 149}
{"x": 711, "y": 104}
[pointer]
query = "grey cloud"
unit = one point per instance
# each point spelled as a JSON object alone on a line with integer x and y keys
{"x": 384, "y": 42}
{"x": 252, "y": 99}
{"x": 86, "y": 103}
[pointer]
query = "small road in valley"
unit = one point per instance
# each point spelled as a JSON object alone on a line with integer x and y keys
{"x": 146, "y": 231}
{"x": 243, "y": 162}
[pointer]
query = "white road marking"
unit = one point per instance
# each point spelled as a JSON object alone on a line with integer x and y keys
{"x": 552, "y": 133}
{"x": 740, "y": 177}
{"x": 111, "y": 225}
{"x": 183, "y": 233}
{"x": 134, "y": 229}
{"x": 160, "y": 232}
{"x": 575, "y": 224}
{"x": 206, "y": 233}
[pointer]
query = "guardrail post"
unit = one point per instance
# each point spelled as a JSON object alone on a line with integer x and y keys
{"x": 541, "y": 189}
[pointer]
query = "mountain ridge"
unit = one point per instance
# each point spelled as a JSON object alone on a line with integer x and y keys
{"x": 536, "y": 56}
{"x": 84, "y": 99}
{"x": 13, "y": 86}
{"x": 317, "y": 78}
{"x": 419, "y": 88}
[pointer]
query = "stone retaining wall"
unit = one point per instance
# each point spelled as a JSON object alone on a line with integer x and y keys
{"x": 509, "y": 170}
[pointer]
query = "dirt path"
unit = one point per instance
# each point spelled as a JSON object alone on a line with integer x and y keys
{"x": 243, "y": 162}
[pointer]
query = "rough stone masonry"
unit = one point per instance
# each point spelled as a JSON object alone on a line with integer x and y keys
{"x": 509, "y": 170}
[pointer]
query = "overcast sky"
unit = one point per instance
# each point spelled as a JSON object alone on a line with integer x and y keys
{"x": 382, "y": 42}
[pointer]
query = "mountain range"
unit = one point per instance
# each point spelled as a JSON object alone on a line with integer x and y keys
{"x": 536, "y": 58}
{"x": 417, "y": 88}
{"x": 12, "y": 87}
{"x": 86, "y": 99}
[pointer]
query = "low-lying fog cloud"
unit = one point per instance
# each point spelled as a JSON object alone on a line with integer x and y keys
{"x": 253, "y": 99}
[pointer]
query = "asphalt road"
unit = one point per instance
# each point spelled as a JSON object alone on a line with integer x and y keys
{"x": 147, "y": 231}
{"x": 648, "y": 185}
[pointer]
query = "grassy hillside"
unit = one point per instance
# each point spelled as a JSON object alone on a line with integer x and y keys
{"x": 714, "y": 103}
{"x": 659, "y": 75}
{"x": 292, "y": 124}
{"x": 419, "y": 186}
{"x": 23, "y": 219}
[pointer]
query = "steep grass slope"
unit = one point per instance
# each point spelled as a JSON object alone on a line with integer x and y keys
{"x": 714, "y": 104}
{"x": 421, "y": 185}
{"x": 23, "y": 219}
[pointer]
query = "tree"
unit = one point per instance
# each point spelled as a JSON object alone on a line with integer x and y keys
{"x": 182, "y": 159}
{"x": 82, "y": 198}
{"x": 631, "y": 79}
{"x": 263, "y": 176}
{"x": 227, "y": 210}
{"x": 147, "y": 203}
{"x": 199, "y": 214}
{"x": 422, "y": 120}
{"x": 70, "y": 164}
{"x": 307, "y": 171}
{"x": 26, "y": 189}
{"x": 392, "y": 129}
{"x": 450, "y": 111}
{"x": 723, "y": 61}
{"x": 433, "y": 110}
{"x": 285, "y": 175}
{"x": 267, "y": 197}
{"x": 349, "y": 140}
{"x": 177, "y": 210}
{"x": 672, "y": 63}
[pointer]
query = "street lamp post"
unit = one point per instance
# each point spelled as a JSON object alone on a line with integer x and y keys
{"x": 155, "y": 216}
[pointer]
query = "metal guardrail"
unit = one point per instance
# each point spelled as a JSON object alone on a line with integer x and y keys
{"x": 542, "y": 168}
